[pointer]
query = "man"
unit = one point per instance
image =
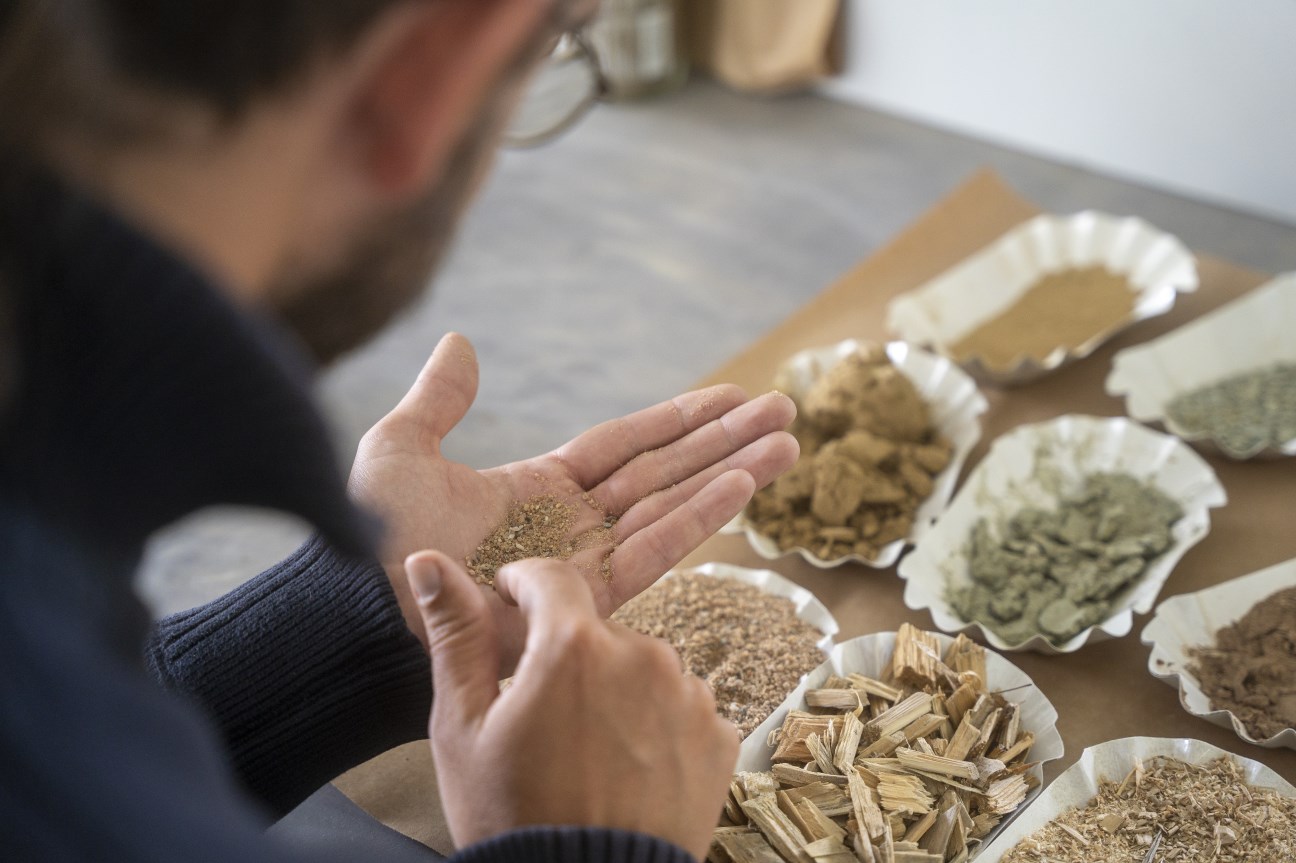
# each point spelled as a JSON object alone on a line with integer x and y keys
{"x": 176, "y": 181}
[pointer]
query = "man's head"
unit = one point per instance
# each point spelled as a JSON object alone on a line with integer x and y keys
{"x": 313, "y": 156}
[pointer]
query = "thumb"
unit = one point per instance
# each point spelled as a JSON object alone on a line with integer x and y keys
{"x": 461, "y": 637}
{"x": 445, "y": 388}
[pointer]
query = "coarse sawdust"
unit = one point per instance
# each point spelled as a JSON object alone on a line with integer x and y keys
{"x": 748, "y": 645}
{"x": 541, "y": 527}
{"x": 1207, "y": 813}
{"x": 869, "y": 458}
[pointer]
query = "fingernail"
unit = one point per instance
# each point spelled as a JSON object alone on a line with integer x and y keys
{"x": 424, "y": 575}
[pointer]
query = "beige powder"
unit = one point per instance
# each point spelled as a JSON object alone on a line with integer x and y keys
{"x": 1064, "y": 309}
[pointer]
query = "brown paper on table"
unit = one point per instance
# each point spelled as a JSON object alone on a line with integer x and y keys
{"x": 764, "y": 45}
{"x": 399, "y": 789}
{"x": 1101, "y": 692}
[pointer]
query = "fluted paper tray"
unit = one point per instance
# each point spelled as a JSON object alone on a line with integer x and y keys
{"x": 952, "y": 305}
{"x": 869, "y": 655}
{"x": 955, "y": 404}
{"x": 1249, "y": 334}
{"x": 1112, "y": 760}
{"x": 1191, "y": 620}
{"x": 1036, "y": 464}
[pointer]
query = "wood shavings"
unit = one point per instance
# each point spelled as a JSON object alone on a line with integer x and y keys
{"x": 784, "y": 836}
{"x": 877, "y": 771}
{"x": 741, "y": 845}
{"x": 1206, "y": 812}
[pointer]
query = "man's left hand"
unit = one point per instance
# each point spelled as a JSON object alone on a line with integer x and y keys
{"x": 671, "y": 475}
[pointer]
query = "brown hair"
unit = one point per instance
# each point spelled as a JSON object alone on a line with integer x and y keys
{"x": 96, "y": 66}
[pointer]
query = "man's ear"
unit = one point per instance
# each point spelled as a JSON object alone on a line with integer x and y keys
{"x": 435, "y": 69}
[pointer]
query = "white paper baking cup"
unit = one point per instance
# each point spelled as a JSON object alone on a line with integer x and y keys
{"x": 808, "y": 607}
{"x": 1248, "y": 334}
{"x": 869, "y": 655}
{"x": 1036, "y": 465}
{"x": 1191, "y": 620}
{"x": 1078, "y": 784}
{"x": 955, "y": 404}
{"x": 952, "y": 305}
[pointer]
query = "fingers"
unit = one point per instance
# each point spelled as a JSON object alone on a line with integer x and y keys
{"x": 551, "y": 594}
{"x": 460, "y": 634}
{"x": 765, "y": 460}
{"x": 697, "y": 451}
{"x": 642, "y": 558}
{"x": 445, "y": 388}
{"x": 594, "y": 455}
{"x": 725, "y": 737}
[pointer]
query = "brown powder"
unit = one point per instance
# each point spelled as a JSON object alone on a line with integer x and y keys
{"x": 869, "y": 456}
{"x": 865, "y": 391}
{"x": 1064, "y": 309}
{"x": 748, "y": 645}
{"x": 539, "y": 527}
{"x": 1206, "y": 813}
{"x": 1251, "y": 669}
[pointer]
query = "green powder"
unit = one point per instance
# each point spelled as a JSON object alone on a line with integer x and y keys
{"x": 1056, "y": 572}
{"x": 1244, "y": 413}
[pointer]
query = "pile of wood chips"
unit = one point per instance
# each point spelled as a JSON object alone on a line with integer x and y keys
{"x": 917, "y": 767}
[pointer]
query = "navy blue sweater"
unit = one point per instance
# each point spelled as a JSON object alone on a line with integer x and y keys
{"x": 132, "y": 393}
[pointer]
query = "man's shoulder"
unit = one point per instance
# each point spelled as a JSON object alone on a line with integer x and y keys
{"x": 52, "y": 577}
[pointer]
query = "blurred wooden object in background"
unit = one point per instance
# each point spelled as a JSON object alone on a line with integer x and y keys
{"x": 764, "y": 45}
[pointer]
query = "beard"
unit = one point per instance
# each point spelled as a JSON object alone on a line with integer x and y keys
{"x": 393, "y": 260}
{"x": 388, "y": 267}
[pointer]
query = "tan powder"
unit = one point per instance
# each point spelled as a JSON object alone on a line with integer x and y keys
{"x": 1064, "y": 309}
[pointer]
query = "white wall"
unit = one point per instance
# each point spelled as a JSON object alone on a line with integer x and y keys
{"x": 1197, "y": 96}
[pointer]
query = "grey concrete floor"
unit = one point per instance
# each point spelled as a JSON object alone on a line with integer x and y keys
{"x": 609, "y": 270}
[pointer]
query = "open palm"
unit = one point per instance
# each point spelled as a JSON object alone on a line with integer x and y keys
{"x": 671, "y": 475}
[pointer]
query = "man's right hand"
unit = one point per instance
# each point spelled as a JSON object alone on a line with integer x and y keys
{"x": 599, "y": 727}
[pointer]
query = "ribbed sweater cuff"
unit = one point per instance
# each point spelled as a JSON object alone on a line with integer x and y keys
{"x": 308, "y": 669}
{"x": 573, "y": 845}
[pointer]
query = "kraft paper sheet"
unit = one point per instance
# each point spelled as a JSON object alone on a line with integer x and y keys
{"x": 1101, "y": 692}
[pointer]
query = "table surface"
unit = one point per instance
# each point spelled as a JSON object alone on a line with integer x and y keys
{"x": 645, "y": 248}
{"x": 1103, "y": 691}
{"x": 650, "y": 245}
